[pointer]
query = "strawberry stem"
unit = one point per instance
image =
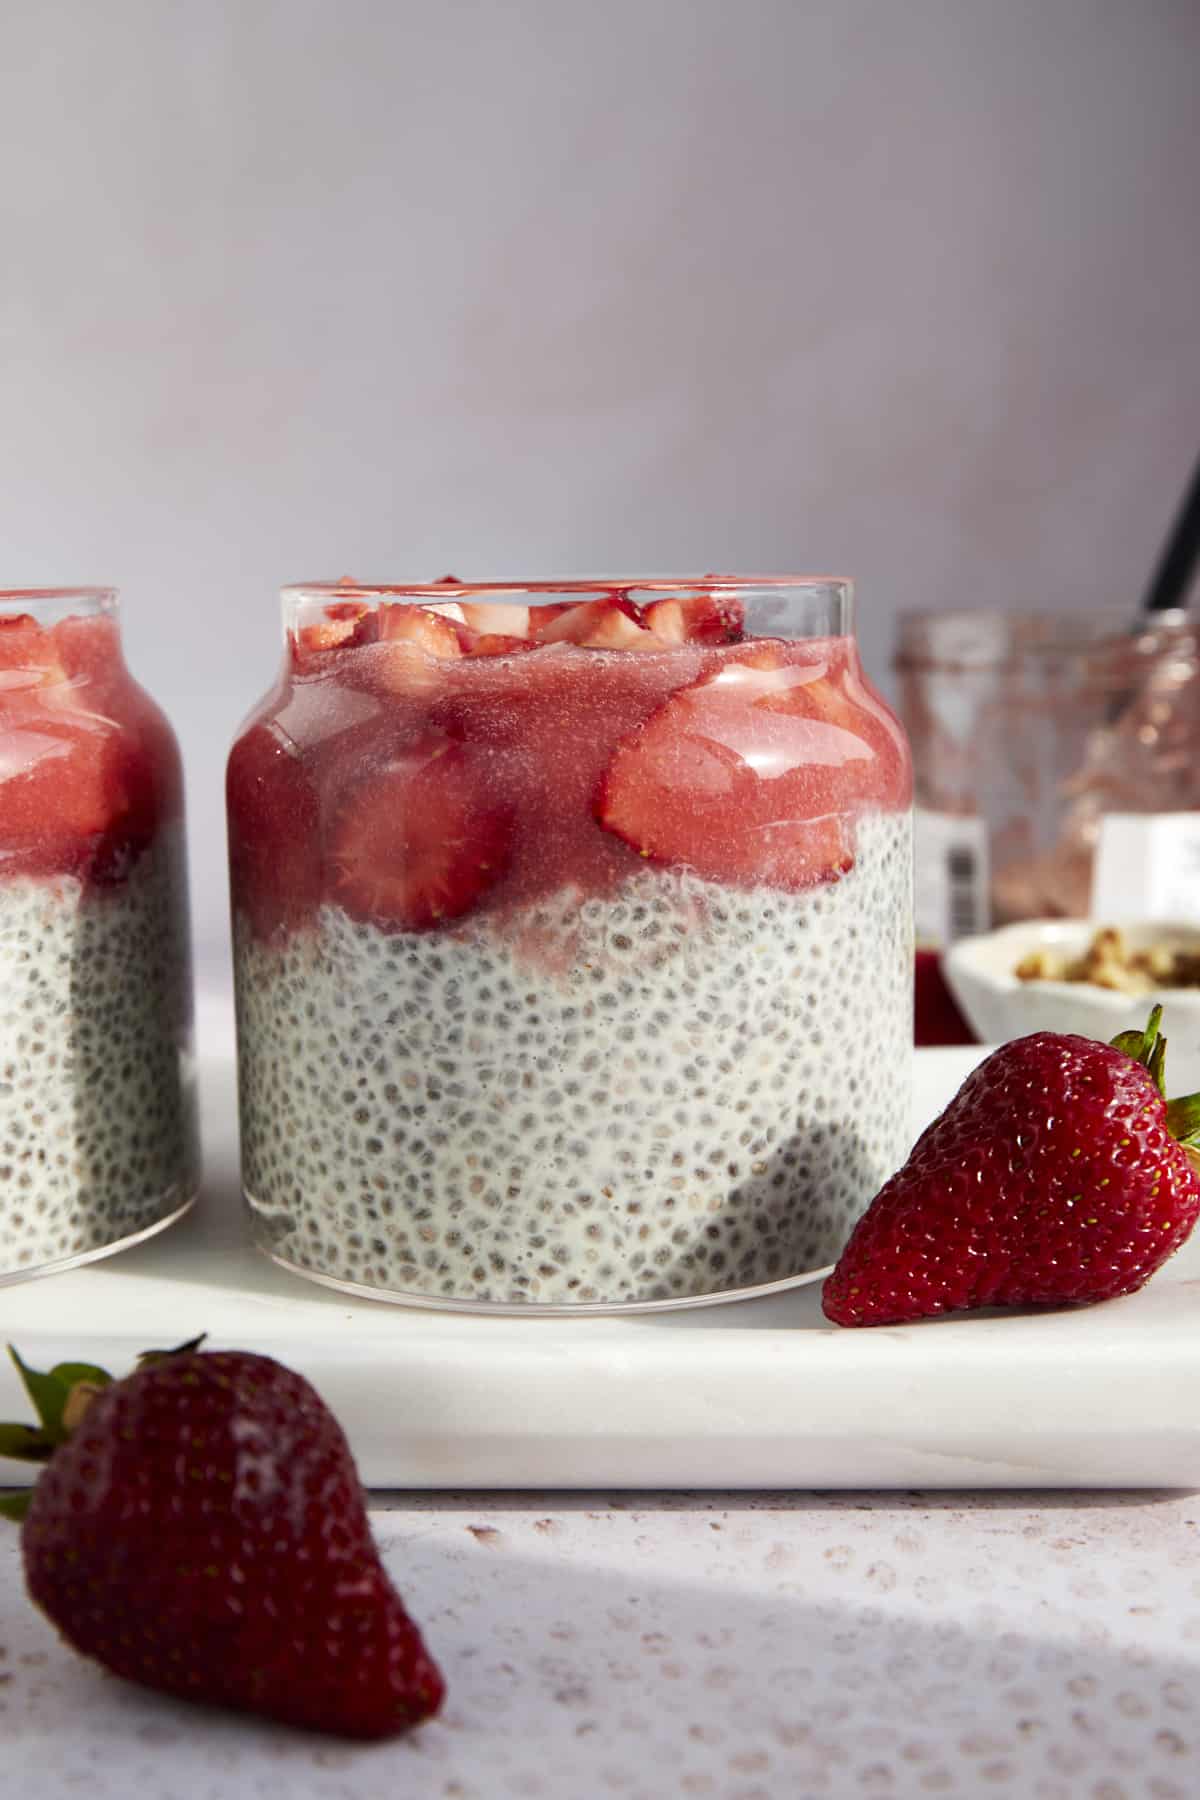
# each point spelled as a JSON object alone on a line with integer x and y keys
{"x": 153, "y": 1356}
{"x": 1146, "y": 1047}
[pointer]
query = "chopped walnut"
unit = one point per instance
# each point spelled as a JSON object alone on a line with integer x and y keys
{"x": 1108, "y": 962}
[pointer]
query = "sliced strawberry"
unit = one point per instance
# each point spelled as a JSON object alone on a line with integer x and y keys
{"x": 78, "y": 795}
{"x": 274, "y": 832}
{"x": 753, "y": 774}
{"x": 613, "y": 623}
{"x": 418, "y": 842}
{"x": 496, "y": 618}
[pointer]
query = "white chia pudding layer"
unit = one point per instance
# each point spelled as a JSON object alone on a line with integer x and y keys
{"x": 688, "y": 1089}
{"x": 97, "y": 1126}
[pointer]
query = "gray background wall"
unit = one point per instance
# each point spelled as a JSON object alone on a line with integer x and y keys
{"x": 908, "y": 289}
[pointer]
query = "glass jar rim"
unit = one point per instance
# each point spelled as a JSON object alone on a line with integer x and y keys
{"x": 60, "y": 600}
{"x": 795, "y": 607}
{"x": 449, "y": 588}
{"x": 960, "y": 640}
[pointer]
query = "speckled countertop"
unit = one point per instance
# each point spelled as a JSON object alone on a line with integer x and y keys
{"x": 765, "y": 1647}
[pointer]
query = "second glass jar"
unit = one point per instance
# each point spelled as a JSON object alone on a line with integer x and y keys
{"x": 573, "y": 940}
{"x": 97, "y": 1105}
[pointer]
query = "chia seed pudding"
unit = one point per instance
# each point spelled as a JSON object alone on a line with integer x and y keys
{"x": 569, "y": 972}
{"x": 97, "y": 1131}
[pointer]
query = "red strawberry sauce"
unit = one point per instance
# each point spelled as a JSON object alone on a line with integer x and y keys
{"x": 557, "y": 766}
{"x": 89, "y": 771}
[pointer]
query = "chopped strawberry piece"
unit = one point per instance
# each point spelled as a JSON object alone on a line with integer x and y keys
{"x": 338, "y": 627}
{"x": 749, "y": 775}
{"x": 407, "y": 645}
{"x": 366, "y": 630}
{"x": 705, "y": 618}
{"x": 274, "y": 832}
{"x": 542, "y": 616}
{"x": 714, "y": 618}
{"x": 496, "y": 618}
{"x": 613, "y": 623}
{"x": 29, "y": 654}
{"x": 430, "y": 631}
{"x": 697, "y": 620}
{"x": 420, "y": 841}
{"x": 665, "y": 618}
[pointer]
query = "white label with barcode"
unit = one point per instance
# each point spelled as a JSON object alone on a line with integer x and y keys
{"x": 1148, "y": 867}
{"x": 951, "y": 871}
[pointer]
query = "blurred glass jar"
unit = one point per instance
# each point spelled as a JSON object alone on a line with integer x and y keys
{"x": 1029, "y": 731}
{"x": 97, "y": 1126}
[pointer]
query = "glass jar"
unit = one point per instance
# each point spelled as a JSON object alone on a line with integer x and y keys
{"x": 1029, "y": 731}
{"x": 573, "y": 941}
{"x": 97, "y": 1123}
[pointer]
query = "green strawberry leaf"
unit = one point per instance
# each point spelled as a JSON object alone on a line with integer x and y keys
{"x": 71, "y": 1372}
{"x": 49, "y": 1396}
{"x": 14, "y": 1503}
{"x": 1183, "y": 1120}
{"x": 26, "y": 1443}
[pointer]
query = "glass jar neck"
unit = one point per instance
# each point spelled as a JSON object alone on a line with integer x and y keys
{"x": 52, "y": 638}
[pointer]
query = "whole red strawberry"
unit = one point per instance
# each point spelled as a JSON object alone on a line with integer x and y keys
{"x": 202, "y": 1530}
{"x": 1058, "y": 1175}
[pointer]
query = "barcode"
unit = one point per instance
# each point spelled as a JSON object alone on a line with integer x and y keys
{"x": 962, "y": 874}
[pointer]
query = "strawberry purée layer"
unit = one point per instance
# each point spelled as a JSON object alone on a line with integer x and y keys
{"x": 89, "y": 769}
{"x": 413, "y": 791}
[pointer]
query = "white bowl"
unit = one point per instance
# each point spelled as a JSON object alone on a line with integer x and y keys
{"x": 980, "y": 972}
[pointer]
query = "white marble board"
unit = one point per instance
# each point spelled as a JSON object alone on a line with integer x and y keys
{"x": 762, "y": 1394}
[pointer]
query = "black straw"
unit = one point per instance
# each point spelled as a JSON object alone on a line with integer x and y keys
{"x": 1173, "y": 576}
